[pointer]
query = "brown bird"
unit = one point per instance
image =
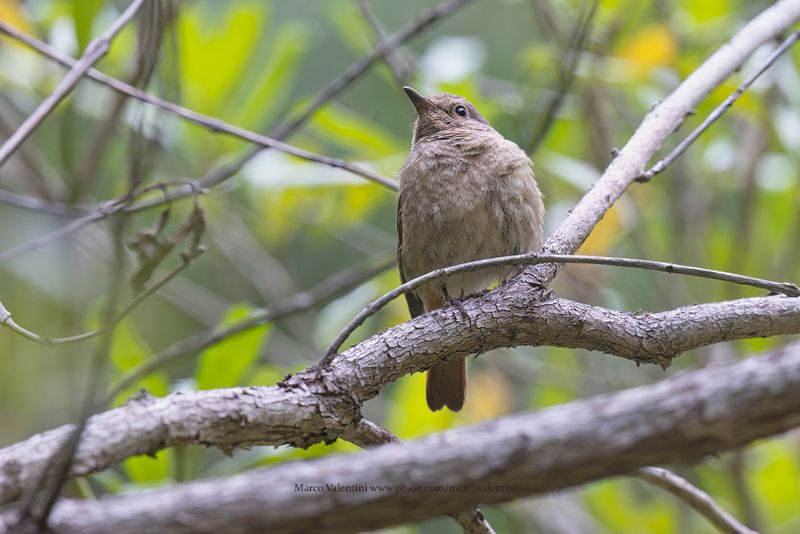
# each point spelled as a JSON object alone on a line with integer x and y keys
{"x": 466, "y": 193}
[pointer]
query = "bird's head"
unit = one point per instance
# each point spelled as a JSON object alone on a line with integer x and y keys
{"x": 444, "y": 113}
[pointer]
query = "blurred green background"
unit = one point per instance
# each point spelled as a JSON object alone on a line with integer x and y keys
{"x": 281, "y": 225}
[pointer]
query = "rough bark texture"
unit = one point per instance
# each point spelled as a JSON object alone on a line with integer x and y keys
{"x": 298, "y": 414}
{"x": 680, "y": 419}
{"x": 320, "y": 405}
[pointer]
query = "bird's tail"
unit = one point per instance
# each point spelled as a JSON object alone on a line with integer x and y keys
{"x": 447, "y": 385}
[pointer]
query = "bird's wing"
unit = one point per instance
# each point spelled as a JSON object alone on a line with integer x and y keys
{"x": 415, "y": 307}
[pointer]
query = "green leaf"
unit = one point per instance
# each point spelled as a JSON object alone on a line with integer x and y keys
{"x": 84, "y": 13}
{"x": 216, "y": 49}
{"x": 266, "y": 375}
{"x": 623, "y": 507}
{"x": 149, "y": 469}
{"x": 408, "y": 414}
{"x": 772, "y": 474}
{"x": 285, "y": 454}
{"x": 128, "y": 351}
{"x": 351, "y": 26}
{"x": 707, "y": 10}
{"x": 224, "y": 364}
{"x": 269, "y": 91}
{"x": 354, "y": 132}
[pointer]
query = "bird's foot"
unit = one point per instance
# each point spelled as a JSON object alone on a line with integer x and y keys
{"x": 452, "y": 301}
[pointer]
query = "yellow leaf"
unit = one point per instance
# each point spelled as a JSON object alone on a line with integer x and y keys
{"x": 488, "y": 396}
{"x": 408, "y": 415}
{"x": 11, "y": 14}
{"x": 651, "y": 47}
{"x": 603, "y": 236}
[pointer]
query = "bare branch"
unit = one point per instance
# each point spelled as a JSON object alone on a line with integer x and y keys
{"x": 38, "y": 204}
{"x": 699, "y": 500}
{"x": 715, "y": 409}
{"x": 720, "y": 110}
{"x": 569, "y": 66}
{"x": 718, "y": 408}
{"x": 213, "y": 124}
{"x": 320, "y": 404}
{"x": 367, "y": 434}
{"x": 304, "y": 301}
{"x": 96, "y": 49}
{"x": 785, "y": 288}
{"x": 398, "y": 66}
{"x": 354, "y": 72}
{"x": 101, "y": 211}
{"x": 7, "y": 321}
{"x": 427, "y": 18}
{"x": 659, "y": 123}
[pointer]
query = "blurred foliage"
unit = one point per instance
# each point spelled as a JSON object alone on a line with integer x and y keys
{"x": 281, "y": 226}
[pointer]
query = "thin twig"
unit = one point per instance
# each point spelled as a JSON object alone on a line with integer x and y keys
{"x": 96, "y": 49}
{"x": 549, "y": 22}
{"x": 39, "y": 173}
{"x": 696, "y": 498}
{"x": 100, "y": 212}
{"x": 354, "y": 72}
{"x": 746, "y": 502}
{"x": 566, "y": 76}
{"x": 41, "y": 205}
{"x": 6, "y": 320}
{"x": 213, "y": 124}
{"x": 154, "y": 22}
{"x": 655, "y": 128}
{"x": 367, "y": 434}
{"x": 187, "y": 256}
{"x": 387, "y": 45}
{"x": 333, "y": 89}
{"x": 38, "y": 504}
{"x": 307, "y": 300}
{"x": 38, "y": 501}
{"x": 720, "y": 110}
{"x": 398, "y": 66}
{"x": 785, "y": 288}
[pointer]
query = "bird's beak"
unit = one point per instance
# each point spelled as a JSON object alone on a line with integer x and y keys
{"x": 421, "y": 104}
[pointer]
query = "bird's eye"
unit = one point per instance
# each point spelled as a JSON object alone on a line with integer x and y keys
{"x": 461, "y": 110}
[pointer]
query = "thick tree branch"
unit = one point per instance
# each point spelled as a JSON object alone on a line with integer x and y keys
{"x": 784, "y": 288}
{"x": 681, "y": 419}
{"x": 367, "y": 434}
{"x": 678, "y": 419}
{"x": 322, "y": 404}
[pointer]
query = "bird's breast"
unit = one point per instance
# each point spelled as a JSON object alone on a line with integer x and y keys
{"x": 466, "y": 205}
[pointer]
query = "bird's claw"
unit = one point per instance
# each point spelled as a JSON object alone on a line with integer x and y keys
{"x": 452, "y": 301}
